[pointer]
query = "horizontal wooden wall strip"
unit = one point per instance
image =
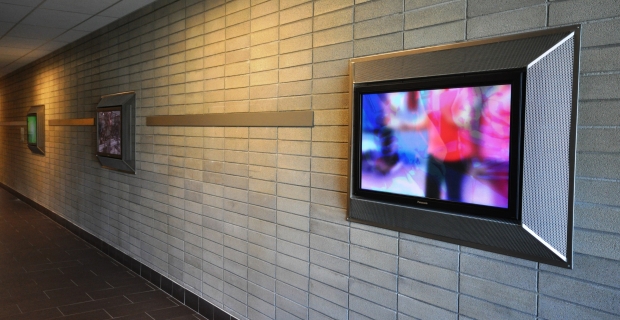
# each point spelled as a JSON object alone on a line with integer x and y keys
{"x": 239, "y": 119}
{"x": 73, "y": 122}
{"x": 13, "y": 123}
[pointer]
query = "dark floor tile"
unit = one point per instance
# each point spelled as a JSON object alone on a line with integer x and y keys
{"x": 171, "y": 313}
{"x": 120, "y": 291}
{"x": 28, "y": 306}
{"x": 38, "y": 315}
{"x": 95, "y": 260}
{"x": 23, "y": 289}
{"x": 205, "y": 309}
{"x": 12, "y": 279}
{"x": 139, "y": 316}
{"x": 18, "y": 298}
{"x": 141, "y": 307}
{"x": 56, "y": 254}
{"x": 94, "y": 305}
{"x": 53, "y": 265}
{"x": 36, "y": 275}
{"x": 190, "y": 317}
{"x": 123, "y": 279}
{"x": 83, "y": 253}
{"x": 10, "y": 273}
{"x": 191, "y": 300}
{"x": 78, "y": 272}
{"x": 104, "y": 269}
{"x": 178, "y": 292}
{"x": 91, "y": 315}
{"x": 5, "y": 294}
{"x": 219, "y": 314}
{"x": 166, "y": 285}
{"x": 9, "y": 310}
{"x": 66, "y": 292}
{"x": 145, "y": 296}
{"x": 94, "y": 284}
{"x": 53, "y": 283}
{"x": 72, "y": 244}
{"x": 46, "y": 268}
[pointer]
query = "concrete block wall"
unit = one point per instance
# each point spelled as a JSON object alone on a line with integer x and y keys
{"x": 253, "y": 219}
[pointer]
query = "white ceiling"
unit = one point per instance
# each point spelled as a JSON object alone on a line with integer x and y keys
{"x": 30, "y": 29}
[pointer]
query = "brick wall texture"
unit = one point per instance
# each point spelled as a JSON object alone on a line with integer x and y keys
{"x": 253, "y": 219}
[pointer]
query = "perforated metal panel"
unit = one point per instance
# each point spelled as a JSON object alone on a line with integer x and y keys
{"x": 546, "y": 160}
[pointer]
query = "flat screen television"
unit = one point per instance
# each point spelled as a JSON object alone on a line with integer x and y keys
{"x": 109, "y": 132}
{"x": 31, "y": 123}
{"x": 450, "y": 143}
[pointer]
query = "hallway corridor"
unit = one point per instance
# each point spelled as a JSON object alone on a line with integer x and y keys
{"x": 47, "y": 272}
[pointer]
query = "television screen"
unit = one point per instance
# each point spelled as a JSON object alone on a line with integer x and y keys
{"x": 109, "y": 133}
{"x": 32, "y": 128}
{"x": 451, "y": 144}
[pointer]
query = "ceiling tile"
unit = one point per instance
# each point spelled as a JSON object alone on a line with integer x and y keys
{"x": 54, "y": 18}
{"x": 5, "y": 26}
{"x": 47, "y": 25}
{"x": 83, "y": 6}
{"x": 14, "y": 52}
{"x": 6, "y": 59}
{"x": 51, "y": 46}
{"x": 125, "y": 7}
{"x": 34, "y": 55}
{"x": 94, "y": 23}
{"x": 13, "y": 13}
{"x": 35, "y": 32}
{"x": 23, "y": 43}
{"x": 28, "y": 3}
{"x": 70, "y": 36}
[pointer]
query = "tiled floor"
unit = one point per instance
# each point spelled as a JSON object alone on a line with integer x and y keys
{"x": 46, "y": 272}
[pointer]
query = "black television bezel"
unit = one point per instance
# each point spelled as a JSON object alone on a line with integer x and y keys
{"x": 516, "y": 78}
{"x": 108, "y": 109}
{"x": 35, "y": 128}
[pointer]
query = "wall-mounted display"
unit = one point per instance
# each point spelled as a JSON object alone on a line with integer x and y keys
{"x": 116, "y": 132}
{"x": 31, "y": 125}
{"x": 455, "y": 143}
{"x": 35, "y": 129}
{"x": 444, "y": 142}
{"x": 109, "y": 132}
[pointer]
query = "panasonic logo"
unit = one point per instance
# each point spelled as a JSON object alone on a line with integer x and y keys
{"x": 422, "y": 202}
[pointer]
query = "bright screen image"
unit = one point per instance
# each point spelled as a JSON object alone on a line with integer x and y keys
{"x": 450, "y": 144}
{"x": 109, "y": 126}
{"x": 32, "y": 129}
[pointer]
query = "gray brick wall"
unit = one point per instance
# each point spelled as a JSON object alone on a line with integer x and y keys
{"x": 253, "y": 219}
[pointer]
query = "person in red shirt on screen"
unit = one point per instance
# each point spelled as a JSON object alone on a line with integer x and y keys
{"x": 448, "y": 120}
